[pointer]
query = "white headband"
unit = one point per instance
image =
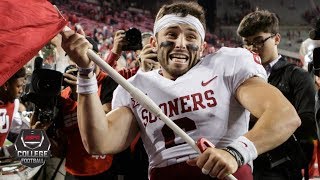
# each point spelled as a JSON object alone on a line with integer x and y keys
{"x": 171, "y": 19}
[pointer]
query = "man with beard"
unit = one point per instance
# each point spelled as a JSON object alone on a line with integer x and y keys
{"x": 209, "y": 97}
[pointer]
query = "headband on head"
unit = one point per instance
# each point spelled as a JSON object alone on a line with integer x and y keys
{"x": 171, "y": 19}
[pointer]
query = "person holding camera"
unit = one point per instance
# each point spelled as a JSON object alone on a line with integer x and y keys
{"x": 260, "y": 33}
{"x": 66, "y": 141}
{"x": 65, "y": 136}
{"x": 209, "y": 97}
{"x": 92, "y": 166}
{"x": 79, "y": 164}
{"x": 147, "y": 57}
{"x": 120, "y": 41}
{"x": 132, "y": 163}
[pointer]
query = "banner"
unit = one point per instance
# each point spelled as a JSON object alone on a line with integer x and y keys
{"x": 25, "y": 27}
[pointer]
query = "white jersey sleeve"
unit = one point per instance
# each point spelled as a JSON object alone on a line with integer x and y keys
{"x": 120, "y": 98}
{"x": 245, "y": 65}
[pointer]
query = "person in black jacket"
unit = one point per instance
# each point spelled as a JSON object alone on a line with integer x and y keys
{"x": 260, "y": 33}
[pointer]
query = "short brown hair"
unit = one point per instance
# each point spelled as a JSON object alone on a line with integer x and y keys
{"x": 183, "y": 9}
{"x": 258, "y": 21}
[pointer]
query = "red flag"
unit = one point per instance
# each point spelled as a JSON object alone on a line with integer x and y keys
{"x": 25, "y": 27}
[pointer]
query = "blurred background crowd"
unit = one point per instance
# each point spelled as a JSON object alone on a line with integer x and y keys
{"x": 99, "y": 20}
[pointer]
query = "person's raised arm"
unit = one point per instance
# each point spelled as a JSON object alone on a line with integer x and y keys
{"x": 118, "y": 42}
{"x": 148, "y": 59}
{"x": 100, "y": 134}
{"x": 277, "y": 117}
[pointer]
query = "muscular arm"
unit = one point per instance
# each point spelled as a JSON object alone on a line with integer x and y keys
{"x": 101, "y": 133}
{"x": 277, "y": 117}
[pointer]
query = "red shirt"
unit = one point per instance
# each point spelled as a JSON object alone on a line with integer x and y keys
{"x": 125, "y": 72}
{"x": 78, "y": 161}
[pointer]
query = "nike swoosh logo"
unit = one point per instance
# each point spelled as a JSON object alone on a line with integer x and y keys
{"x": 206, "y": 83}
{"x": 245, "y": 145}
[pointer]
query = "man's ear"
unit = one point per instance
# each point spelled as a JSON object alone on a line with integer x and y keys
{"x": 153, "y": 43}
{"x": 277, "y": 39}
{"x": 203, "y": 46}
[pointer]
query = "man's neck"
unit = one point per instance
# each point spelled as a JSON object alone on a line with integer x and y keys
{"x": 272, "y": 59}
{"x": 165, "y": 74}
{"x": 273, "y": 62}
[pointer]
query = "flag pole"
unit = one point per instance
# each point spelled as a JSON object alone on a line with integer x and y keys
{"x": 144, "y": 100}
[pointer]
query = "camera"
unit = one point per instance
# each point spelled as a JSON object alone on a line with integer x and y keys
{"x": 45, "y": 89}
{"x": 133, "y": 37}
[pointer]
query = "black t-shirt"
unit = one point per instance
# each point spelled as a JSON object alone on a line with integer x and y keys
{"x": 108, "y": 86}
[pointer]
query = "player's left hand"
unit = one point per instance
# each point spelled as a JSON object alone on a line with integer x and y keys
{"x": 215, "y": 162}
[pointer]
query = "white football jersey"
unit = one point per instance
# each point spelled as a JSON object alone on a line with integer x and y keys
{"x": 202, "y": 102}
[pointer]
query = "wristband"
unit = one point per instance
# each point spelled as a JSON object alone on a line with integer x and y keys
{"x": 87, "y": 86}
{"x": 235, "y": 154}
{"x": 245, "y": 148}
{"x": 86, "y": 72}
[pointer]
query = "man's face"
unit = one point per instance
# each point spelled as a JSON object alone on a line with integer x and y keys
{"x": 15, "y": 88}
{"x": 264, "y": 44}
{"x": 178, "y": 48}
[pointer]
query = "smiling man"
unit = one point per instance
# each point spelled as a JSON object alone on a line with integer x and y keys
{"x": 209, "y": 97}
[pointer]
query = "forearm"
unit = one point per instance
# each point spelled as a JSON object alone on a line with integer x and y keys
{"x": 277, "y": 118}
{"x": 92, "y": 124}
{"x": 273, "y": 128}
{"x": 112, "y": 59}
{"x": 105, "y": 134}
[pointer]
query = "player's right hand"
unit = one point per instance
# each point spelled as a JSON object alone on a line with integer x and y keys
{"x": 76, "y": 46}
